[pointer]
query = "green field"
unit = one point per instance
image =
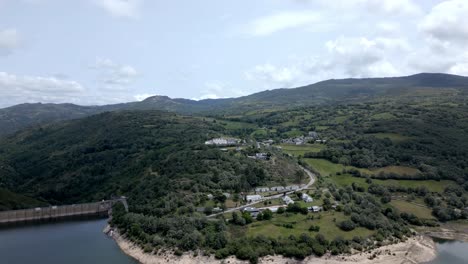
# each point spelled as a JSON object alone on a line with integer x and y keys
{"x": 297, "y": 150}
{"x": 400, "y": 170}
{"x": 326, "y": 168}
{"x": 431, "y": 185}
{"x": 407, "y": 207}
{"x": 274, "y": 227}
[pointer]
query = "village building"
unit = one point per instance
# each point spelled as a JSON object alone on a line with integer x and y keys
{"x": 287, "y": 200}
{"x": 315, "y": 209}
{"x": 253, "y": 198}
{"x": 306, "y": 198}
{"x": 252, "y": 211}
{"x": 223, "y": 141}
{"x": 262, "y": 189}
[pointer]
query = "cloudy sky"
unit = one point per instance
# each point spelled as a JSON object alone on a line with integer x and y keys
{"x": 109, "y": 51}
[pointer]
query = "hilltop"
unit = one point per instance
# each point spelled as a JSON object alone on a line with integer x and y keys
{"x": 321, "y": 93}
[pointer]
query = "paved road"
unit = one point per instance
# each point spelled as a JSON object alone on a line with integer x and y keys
{"x": 311, "y": 175}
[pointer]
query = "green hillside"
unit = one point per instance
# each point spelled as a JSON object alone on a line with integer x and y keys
{"x": 322, "y": 93}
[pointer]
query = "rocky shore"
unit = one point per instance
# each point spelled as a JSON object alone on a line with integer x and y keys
{"x": 418, "y": 249}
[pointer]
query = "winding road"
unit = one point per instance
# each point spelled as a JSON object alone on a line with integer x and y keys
{"x": 311, "y": 175}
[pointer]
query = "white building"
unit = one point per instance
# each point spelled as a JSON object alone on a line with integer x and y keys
{"x": 262, "y": 189}
{"x": 223, "y": 141}
{"x": 315, "y": 209}
{"x": 287, "y": 200}
{"x": 253, "y": 198}
{"x": 307, "y": 198}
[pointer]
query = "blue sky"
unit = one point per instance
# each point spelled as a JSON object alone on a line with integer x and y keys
{"x": 111, "y": 51}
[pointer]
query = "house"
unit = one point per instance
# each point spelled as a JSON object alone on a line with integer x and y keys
{"x": 227, "y": 195}
{"x": 223, "y": 141}
{"x": 277, "y": 188}
{"x": 287, "y": 200}
{"x": 261, "y": 156}
{"x": 262, "y": 189}
{"x": 253, "y": 198}
{"x": 315, "y": 209}
{"x": 294, "y": 187}
{"x": 273, "y": 209}
{"x": 313, "y": 134}
{"x": 252, "y": 211}
{"x": 306, "y": 198}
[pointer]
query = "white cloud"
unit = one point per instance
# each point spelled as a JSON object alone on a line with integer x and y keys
{"x": 9, "y": 41}
{"x": 217, "y": 89}
{"x": 141, "y": 97}
{"x": 344, "y": 57}
{"x": 285, "y": 20}
{"x": 121, "y": 8}
{"x": 284, "y": 76}
{"x": 387, "y": 7}
{"x": 16, "y": 89}
{"x": 112, "y": 75}
{"x": 448, "y": 21}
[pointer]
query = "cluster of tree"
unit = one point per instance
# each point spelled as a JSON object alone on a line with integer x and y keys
{"x": 366, "y": 211}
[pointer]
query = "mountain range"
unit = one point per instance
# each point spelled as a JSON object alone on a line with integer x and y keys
{"x": 331, "y": 91}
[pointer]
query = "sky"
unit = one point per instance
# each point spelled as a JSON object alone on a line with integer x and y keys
{"x": 94, "y": 52}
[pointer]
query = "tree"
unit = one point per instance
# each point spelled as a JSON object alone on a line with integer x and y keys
{"x": 347, "y": 225}
{"x": 259, "y": 217}
{"x": 267, "y": 214}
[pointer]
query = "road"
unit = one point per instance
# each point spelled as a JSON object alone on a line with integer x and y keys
{"x": 311, "y": 175}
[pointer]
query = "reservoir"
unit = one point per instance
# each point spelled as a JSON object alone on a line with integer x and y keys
{"x": 81, "y": 242}
{"x": 75, "y": 242}
{"x": 451, "y": 252}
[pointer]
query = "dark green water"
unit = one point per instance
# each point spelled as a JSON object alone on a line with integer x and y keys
{"x": 60, "y": 243}
{"x": 83, "y": 242}
{"x": 451, "y": 252}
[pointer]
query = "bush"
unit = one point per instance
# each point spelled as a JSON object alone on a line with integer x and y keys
{"x": 314, "y": 228}
{"x": 280, "y": 210}
{"x": 347, "y": 225}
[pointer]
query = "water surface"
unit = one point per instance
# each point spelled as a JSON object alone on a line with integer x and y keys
{"x": 60, "y": 243}
{"x": 451, "y": 252}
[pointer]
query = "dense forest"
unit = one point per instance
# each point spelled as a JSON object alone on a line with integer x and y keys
{"x": 152, "y": 157}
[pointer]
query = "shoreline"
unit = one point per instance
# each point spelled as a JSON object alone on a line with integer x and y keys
{"x": 417, "y": 249}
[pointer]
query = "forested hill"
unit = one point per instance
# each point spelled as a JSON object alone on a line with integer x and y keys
{"x": 146, "y": 155}
{"x": 331, "y": 91}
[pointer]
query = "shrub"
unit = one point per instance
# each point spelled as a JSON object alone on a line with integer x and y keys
{"x": 347, "y": 225}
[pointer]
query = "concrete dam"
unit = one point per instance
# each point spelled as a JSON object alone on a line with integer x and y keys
{"x": 102, "y": 208}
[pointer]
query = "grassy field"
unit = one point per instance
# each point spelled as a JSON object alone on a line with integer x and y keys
{"x": 259, "y": 132}
{"x": 431, "y": 185}
{"x": 326, "y": 168}
{"x": 407, "y": 207}
{"x": 301, "y": 223}
{"x": 297, "y": 150}
{"x": 400, "y": 170}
